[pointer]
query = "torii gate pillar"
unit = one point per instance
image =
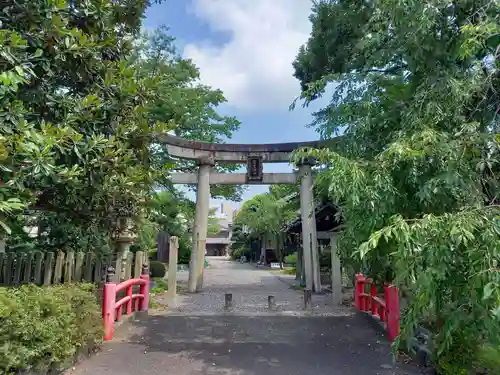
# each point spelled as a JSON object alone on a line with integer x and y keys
{"x": 309, "y": 236}
{"x": 197, "y": 261}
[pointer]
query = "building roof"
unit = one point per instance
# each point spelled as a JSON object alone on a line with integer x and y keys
{"x": 326, "y": 216}
{"x": 218, "y": 241}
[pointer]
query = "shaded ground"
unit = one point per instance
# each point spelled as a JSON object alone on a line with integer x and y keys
{"x": 199, "y": 337}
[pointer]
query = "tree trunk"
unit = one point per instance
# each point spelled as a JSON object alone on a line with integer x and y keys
{"x": 279, "y": 249}
{"x": 263, "y": 250}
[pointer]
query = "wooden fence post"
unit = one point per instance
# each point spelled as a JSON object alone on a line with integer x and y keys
{"x": 59, "y": 267}
{"x": 47, "y": 269}
{"x": 144, "y": 289}
{"x": 28, "y": 267}
{"x": 138, "y": 263}
{"x": 79, "y": 266}
{"x": 38, "y": 267}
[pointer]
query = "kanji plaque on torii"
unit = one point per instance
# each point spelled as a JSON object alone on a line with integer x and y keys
{"x": 254, "y": 168}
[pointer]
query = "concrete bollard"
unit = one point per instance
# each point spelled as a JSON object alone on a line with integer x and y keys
{"x": 228, "y": 301}
{"x": 271, "y": 303}
{"x": 172, "y": 271}
{"x": 307, "y": 298}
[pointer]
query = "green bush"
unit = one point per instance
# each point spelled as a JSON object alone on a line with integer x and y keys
{"x": 237, "y": 252}
{"x": 161, "y": 286}
{"x": 488, "y": 358}
{"x": 153, "y": 254}
{"x": 45, "y": 327}
{"x": 157, "y": 269}
{"x": 184, "y": 250}
{"x": 291, "y": 259}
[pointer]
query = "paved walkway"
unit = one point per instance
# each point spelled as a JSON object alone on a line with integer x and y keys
{"x": 199, "y": 337}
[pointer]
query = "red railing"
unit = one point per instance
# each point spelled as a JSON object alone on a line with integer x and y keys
{"x": 385, "y": 308}
{"x": 112, "y": 310}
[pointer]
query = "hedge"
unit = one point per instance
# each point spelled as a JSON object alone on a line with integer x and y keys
{"x": 157, "y": 269}
{"x": 291, "y": 259}
{"x": 45, "y": 328}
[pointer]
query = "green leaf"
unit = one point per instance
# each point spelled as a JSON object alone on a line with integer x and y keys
{"x": 5, "y": 227}
{"x": 488, "y": 290}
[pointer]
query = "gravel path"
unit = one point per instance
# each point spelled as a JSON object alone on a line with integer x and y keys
{"x": 199, "y": 337}
{"x": 250, "y": 288}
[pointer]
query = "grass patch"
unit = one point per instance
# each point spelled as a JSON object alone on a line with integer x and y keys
{"x": 297, "y": 287}
{"x": 161, "y": 285}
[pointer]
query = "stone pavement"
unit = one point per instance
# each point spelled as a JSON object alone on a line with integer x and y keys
{"x": 199, "y": 337}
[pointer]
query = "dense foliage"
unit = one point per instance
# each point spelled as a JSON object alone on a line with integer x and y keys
{"x": 264, "y": 216}
{"x": 416, "y": 99}
{"x": 83, "y": 96}
{"x": 74, "y": 116}
{"x": 158, "y": 269}
{"x": 45, "y": 327}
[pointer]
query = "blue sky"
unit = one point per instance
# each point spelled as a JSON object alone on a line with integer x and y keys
{"x": 245, "y": 48}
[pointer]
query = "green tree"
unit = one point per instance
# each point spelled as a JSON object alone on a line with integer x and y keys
{"x": 415, "y": 96}
{"x": 81, "y": 105}
{"x": 183, "y": 102}
{"x": 264, "y": 216}
{"x": 73, "y": 135}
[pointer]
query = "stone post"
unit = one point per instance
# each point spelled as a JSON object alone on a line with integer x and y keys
{"x": 309, "y": 238}
{"x": 172, "y": 271}
{"x": 196, "y": 266}
{"x": 336, "y": 271}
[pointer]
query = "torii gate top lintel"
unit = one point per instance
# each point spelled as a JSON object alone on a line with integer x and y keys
{"x": 234, "y": 152}
{"x": 239, "y": 147}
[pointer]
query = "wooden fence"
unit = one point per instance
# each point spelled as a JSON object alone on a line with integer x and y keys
{"x": 63, "y": 267}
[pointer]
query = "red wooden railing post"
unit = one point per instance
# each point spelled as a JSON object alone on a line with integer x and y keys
{"x": 386, "y": 293}
{"x": 144, "y": 289}
{"x": 393, "y": 313}
{"x": 108, "y": 304}
{"x": 129, "y": 303}
{"x": 374, "y": 303}
{"x": 358, "y": 290}
{"x": 387, "y": 309}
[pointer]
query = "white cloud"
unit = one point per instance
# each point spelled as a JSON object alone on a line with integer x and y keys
{"x": 254, "y": 67}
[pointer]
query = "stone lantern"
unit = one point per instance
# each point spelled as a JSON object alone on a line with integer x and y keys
{"x": 124, "y": 237}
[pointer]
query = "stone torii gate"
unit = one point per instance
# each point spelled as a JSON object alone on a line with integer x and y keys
{"x": 254, "y": 156}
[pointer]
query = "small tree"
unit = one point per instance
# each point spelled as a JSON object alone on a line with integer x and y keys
{"x": 265, "y": 215}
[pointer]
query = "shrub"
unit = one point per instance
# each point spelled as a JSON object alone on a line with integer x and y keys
{"x": 184, "y": 250}
{"x": 45, "y": 327}
{"x": 161, "y": 286}
{"x": 488, "y": 358}
{"x": 237, "y": 252}
{"x": 157, "y": 269}
{"x": 153, "y": 254}
{"x": 291, "y": 259}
